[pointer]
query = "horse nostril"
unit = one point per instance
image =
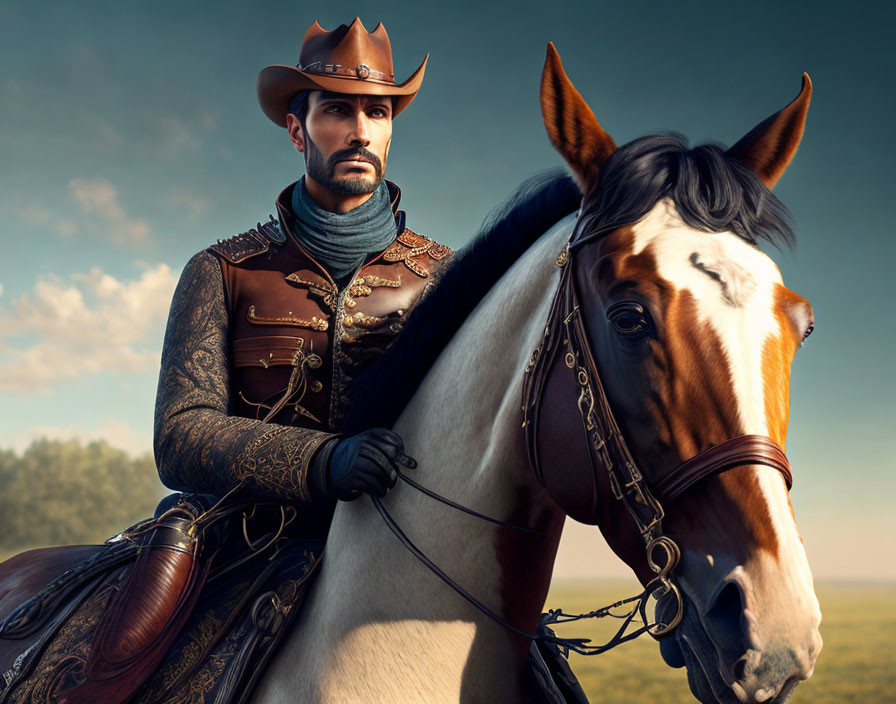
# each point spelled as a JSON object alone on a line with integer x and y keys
{"x": 724, "y": 622}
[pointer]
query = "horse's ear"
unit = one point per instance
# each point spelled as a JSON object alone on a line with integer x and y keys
{"x": 572, "y": 127}
{"x": 768, "y": 148}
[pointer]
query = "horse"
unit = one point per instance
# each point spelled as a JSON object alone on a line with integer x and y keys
{"x": 693, "y": 333}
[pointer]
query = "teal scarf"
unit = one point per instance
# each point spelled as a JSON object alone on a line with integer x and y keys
{"x": 342, "y": 241}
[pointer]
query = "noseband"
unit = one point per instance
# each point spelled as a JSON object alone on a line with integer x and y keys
{"x": 607, "y": 449}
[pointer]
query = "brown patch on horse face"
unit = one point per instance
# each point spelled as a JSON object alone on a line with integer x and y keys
{"x": 692, "y": 394}
{"x": 692, "y": 403}
{"x": 696, "y": 396}
{"x": 794, "y": 315}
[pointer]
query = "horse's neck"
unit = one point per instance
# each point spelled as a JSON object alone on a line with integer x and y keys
{"x": 377, "y": 610}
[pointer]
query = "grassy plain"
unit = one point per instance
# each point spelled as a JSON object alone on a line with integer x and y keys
{"x": 857, "y": 664}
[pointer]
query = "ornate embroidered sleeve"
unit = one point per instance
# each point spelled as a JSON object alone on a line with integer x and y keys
{"x": 198, "y": 446}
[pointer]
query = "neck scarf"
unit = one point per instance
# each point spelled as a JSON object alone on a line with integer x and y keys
{"x": 342, "y": 241}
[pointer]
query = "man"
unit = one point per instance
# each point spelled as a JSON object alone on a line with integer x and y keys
{"x": 268, "y": 329}
{"x": 266, "y": 334}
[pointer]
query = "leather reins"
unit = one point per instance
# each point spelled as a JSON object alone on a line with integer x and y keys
{"x": 607, "y": 448}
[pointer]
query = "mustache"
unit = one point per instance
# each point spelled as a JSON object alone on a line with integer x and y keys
{"x": 353, "y": 154}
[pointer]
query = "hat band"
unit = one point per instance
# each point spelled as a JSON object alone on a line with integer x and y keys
{"x": 361, "y": 71}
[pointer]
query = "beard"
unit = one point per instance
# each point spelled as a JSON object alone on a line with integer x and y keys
{"x": 324, "y": 171}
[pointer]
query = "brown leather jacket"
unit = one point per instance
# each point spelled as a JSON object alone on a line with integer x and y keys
{"x": 260, "y": 351}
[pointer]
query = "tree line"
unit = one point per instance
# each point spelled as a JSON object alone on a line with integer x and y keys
{"x": 61, "y": 492}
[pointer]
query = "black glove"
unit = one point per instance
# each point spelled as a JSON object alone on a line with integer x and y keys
{"x": 365, "y": 462}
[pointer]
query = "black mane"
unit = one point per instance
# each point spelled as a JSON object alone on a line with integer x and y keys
{"x": 385, "y": 388}
{"x": 711, "y": 191}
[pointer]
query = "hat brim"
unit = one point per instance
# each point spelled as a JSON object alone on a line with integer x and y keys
{"x": 277, "y": 85}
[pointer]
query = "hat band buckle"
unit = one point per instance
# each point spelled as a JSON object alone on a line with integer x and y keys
{"x": 361, "y": 71}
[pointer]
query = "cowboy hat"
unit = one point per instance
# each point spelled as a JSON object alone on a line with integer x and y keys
{"x": 345, "y": 60}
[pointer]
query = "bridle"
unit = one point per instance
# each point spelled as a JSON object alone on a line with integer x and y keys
{"x": 565, "y": 332}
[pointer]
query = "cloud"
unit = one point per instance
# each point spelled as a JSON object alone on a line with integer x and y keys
{"x": 98, "y": 199}
{"x": 193, "y": 205}
{"x": 174, "y": 137}
{"x": 36, "y": 214}
{"x": 91, "y": 324}
{"x": 116, "y": 432}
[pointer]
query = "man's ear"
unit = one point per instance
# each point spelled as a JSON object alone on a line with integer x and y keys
{"x": 296, "y": 134}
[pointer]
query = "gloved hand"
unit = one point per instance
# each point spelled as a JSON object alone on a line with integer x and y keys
{"x": 365, "y": 462}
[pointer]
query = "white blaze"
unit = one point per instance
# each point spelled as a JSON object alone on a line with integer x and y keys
{"x": 733, "y": 284}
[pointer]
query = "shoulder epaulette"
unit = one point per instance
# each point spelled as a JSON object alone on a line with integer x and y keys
{"x": 256, "y": 241}
{"x": 414, "y": 250}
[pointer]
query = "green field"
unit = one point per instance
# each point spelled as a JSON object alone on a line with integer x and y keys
{"x": 857, "y": 664}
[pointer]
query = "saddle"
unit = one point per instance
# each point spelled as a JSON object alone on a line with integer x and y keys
{"x": 185, "y": 608}
{"x": 173, "y": 609}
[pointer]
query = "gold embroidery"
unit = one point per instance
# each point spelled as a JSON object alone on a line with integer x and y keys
{"x": 278, "y": 460}
{"x": 410, "y": 245}
{"x": 439, "y": 251}
{"x": 202, "y": 446}
{"x": 412, "y": 239}
{"x": 62, "y": 664}
{"x": 172, "y": 684}
{"x": 314, "y": 324}
{"x": 364, "y": 321}
{"x": 400, "y": 253}
{"x": 299, "y": 382}
{"x": 364, "y": 285}
{"x": 324, "y": 291}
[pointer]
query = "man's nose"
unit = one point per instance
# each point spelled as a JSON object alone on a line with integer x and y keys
{"x": 359, "y": 135}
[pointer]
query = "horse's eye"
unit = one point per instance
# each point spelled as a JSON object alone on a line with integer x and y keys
{"x": 628, "y": 317}
{"x": 806, "y": 334}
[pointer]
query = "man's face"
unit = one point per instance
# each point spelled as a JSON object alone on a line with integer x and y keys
{"x": 345, "y": 140}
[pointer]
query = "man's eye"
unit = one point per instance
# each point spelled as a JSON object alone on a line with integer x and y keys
{"x": 378, "y": 112}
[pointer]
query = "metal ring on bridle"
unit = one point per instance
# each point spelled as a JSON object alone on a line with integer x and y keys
{"x": 671, "y": 552}
{"x": 663, "y": 568}
{"x": 664, "y": 586}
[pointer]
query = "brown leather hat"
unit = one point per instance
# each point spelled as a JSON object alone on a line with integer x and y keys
{"x": 346, "y": 60}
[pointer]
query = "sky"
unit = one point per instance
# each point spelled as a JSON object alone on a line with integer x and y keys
{"x": 130, "y": 138}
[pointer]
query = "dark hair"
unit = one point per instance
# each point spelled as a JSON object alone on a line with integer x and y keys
{"x": 298, "y": 106}
{"x": 711, "y": 191}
